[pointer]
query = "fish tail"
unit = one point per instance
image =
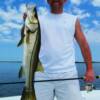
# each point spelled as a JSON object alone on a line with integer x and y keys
{"x": 28, "y": 94}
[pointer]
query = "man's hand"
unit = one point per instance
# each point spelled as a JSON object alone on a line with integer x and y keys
{"x": 24, "y": 16}
{"x": 89, "y": 76}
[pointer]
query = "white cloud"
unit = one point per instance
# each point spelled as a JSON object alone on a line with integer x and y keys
{"x": 11, "y": 14}
{"x": 96, "y": 22}
{"x": 42, "y": 10}
{"x": 77, "y": 2}
{"x": 3, "y": 28}
{"x": 22, "y": 8}
{"x": 11, "y": 18}
{"x": 6, "y": 36}
{"x": 82, "y": 14}
{"x": 85, "y": 26}
{"x": 77, "y": 10}
{"x": 93, "y": 34}
{"x": 96, "y": 3}
{"x": 12, "y": 21}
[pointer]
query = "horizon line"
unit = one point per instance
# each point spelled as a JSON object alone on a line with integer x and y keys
{"x": 75, "y": 61}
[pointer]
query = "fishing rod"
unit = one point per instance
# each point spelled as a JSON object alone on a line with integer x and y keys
{"x": 79, "y": 78}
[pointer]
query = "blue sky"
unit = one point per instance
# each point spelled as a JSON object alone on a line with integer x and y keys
{"x": 11, "y": 12}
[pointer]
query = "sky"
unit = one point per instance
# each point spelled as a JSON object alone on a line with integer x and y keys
{"x": 11, "y": 12}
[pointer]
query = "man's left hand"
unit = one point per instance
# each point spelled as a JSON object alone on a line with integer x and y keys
{"x": 89, "y": 76}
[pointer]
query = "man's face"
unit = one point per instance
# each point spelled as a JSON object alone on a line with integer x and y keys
{"x": 56, "y": 3}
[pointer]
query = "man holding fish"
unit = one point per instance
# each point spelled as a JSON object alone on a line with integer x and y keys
{"x": 57, "y": 56}
{"x": 58, "y": 30}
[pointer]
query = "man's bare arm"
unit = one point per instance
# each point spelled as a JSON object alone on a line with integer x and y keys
{"x": 81, "y": 40}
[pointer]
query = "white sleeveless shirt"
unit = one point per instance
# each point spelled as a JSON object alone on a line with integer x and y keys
{"x": 57, "y": 48}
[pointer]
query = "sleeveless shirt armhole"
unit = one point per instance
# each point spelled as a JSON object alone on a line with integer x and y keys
{"x": 76, "y": 18}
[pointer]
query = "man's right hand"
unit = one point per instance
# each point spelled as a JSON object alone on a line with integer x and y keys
{"x": 24, "y": 16}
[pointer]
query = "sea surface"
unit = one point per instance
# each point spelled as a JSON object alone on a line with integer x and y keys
{"x": 9, "y": 73}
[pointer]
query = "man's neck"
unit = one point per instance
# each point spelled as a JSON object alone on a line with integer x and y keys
{"x": 57, "y": 11}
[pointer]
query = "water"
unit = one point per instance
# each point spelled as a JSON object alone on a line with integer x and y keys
{"x": 9, "y": 73}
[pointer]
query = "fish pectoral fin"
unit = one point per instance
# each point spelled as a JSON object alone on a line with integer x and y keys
{"x": 21, "y": 72}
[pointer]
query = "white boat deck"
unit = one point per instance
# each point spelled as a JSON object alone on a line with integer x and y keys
{"x": 94, "y": 95}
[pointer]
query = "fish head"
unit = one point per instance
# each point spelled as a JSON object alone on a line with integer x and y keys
{"x": 31, "y": 20}
{"x": 30, "y": 8}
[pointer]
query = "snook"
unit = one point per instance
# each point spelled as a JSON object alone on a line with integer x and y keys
{"x": 30, "y": 38}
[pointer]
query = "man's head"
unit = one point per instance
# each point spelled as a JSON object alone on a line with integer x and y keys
{"x": 56, "y": 5}
{"x": 56, "y": 1}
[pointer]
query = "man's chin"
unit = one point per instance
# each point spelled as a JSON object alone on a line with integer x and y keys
{"x": 56, "y": 5}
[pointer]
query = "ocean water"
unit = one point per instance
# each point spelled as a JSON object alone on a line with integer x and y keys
{"x": 9, "y": 73}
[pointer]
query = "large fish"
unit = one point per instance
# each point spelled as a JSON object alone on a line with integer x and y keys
{"x": 30, "y": 38}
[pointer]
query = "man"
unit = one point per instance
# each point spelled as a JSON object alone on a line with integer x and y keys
{"x": 58, "y": 30}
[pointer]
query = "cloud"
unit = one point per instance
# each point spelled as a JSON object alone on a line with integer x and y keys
{"x": 96, "y": 3}
{"x": 77, "y": 10}
{"x": 12, "y": 23}
{"x": 91, "y": 28}
{"x": 81, "y": 13}
{"x": 76, "y": 2}
{"x": 7, "y": 36}
{"x": 93, "y": 33}
{"x": 10, "y": 15}
{"x": 42, "y": 10}
{"x": 11, "y": 18}
{"x": 96, "y": 22}
{"x": 22, "y": 8}
{"x": 9, "y": 32}
{"x": 84, "y": 15}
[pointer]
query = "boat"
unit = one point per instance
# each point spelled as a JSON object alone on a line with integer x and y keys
{"x": 93, "y": 95}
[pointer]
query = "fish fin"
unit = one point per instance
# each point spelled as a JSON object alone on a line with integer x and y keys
{"x": 21, "y": 72}
{"x": 20, "y": 42}
{"x": 22, "y": 36}
{"x": 40, "y": 67}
